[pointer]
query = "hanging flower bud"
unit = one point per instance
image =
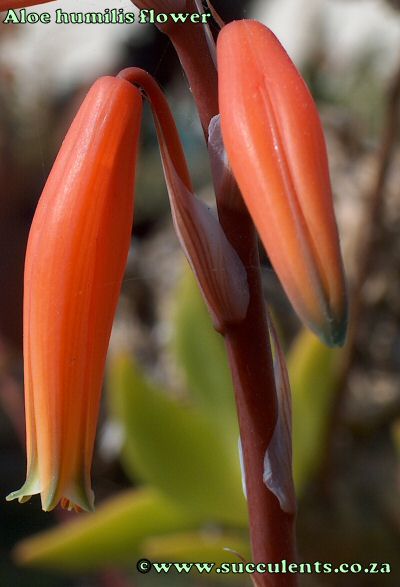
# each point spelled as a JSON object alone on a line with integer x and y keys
{"x": 11, "y": 4}
{"x": 76, "y": 256}
{"x": 275, "y": 145}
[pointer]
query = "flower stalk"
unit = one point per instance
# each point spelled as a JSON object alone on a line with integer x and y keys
{"x": 217, "y": 267}
{"x": 190, "y": 43}
{"x": 249, "y": 353}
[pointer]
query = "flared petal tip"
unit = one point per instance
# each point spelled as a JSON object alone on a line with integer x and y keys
{"x": 22, "y": 497}
{"x": 79, "y": 500}
{"x": 70, "y": 506}
{"x": 29, "y": 488}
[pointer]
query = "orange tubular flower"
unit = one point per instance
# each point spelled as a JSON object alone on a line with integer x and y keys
{"x": 76, "y": 256}
{"x": 275, "y": 145}
{"x": 11, "y": 4}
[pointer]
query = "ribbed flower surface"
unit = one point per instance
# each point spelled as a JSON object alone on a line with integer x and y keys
{"x": 76, "y": 256}
{"x": 275, "y": 145}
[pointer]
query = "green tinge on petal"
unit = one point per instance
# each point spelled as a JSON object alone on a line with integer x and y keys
{"x": 333, "y": 332}
{"x": 29, "y": 488}
{"x": 78, "y": 494}
{"x": 81, "y": 495}
{"x": 75, "y": 495}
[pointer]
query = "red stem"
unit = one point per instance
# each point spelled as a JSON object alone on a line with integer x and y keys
{"x": 191, "y": 46}
{"x": 249, "y": 352}
{"x": 271, "y": 530}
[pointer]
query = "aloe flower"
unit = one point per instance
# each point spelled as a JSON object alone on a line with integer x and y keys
{"x": 75, "y": 260}
{"x": 11, "y": 4}
{"x": 275, "y": 145}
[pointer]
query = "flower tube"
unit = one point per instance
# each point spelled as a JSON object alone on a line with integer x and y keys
{"x": 275, "y": 145}
{"x": 75, "y": 260}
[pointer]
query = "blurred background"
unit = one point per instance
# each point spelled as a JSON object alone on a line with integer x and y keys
{"x": 166, "y": 472}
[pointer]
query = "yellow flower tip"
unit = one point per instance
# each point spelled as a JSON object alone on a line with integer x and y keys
{"x": 275, "y": 145}
{"x": 76, "y": 256}
{"x": 29, "y": 488}
{"x": 78, "y": 497}
{"x": 17, "y": 495}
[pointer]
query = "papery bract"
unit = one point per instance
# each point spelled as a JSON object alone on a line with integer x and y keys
{"x": 76, "y": 256}
{"x": 275, "y": 145}
{"x": 278, "y": 457}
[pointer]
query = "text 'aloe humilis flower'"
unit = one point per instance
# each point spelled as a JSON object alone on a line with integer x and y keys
{"x": 275, "y": 145}
{"x": 76, "y": 256}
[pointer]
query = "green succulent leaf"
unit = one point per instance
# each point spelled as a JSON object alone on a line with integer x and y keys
{"x": 175, "y": 448}
{"x": 313, "y": 370}
{"x": 202, "y": 546}
{"x": 110, "y": 536}
{"x": 201, "y": 353}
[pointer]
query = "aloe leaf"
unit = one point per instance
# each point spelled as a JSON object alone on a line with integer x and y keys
{"x": 313, "y": 370}
{"x": 111, "y": 536}
{"x": 201, "y": 353}
{"x": 198, "y": 546}
{"x": 175, "y": 448}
